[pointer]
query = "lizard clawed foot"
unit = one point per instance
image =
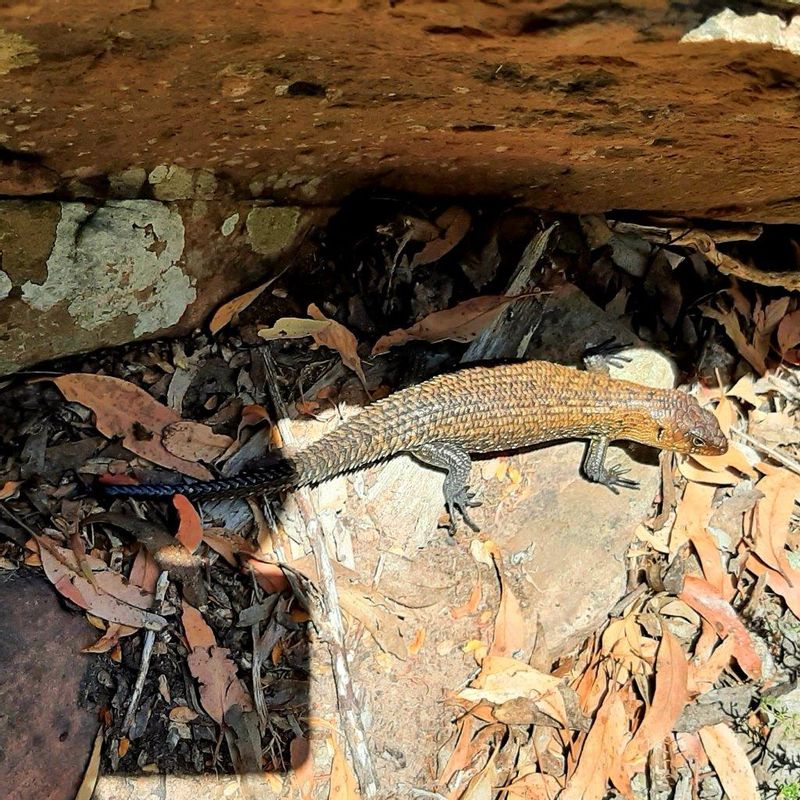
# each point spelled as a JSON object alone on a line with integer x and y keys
{"x": 614, "y": 479}
{"x": 606, "y": 353}
{"x": 460, "y": 501}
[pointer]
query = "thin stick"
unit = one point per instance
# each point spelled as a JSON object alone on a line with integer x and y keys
{"x": 147, "y": 651}
{"x": 787, "y": 461}
{"x": 329, "y": 621}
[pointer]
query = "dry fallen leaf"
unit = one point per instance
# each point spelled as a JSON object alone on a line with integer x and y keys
{"x": 691, "y": 524}
{"x": 532, "y": 785}
{"x": 669, "y": 699}
{"x": 601, "y": 752}
{"x": 343, "y": 785}
{"x": 110, "y": 639}
{"x": 455, "y": 223}
{"x": 227, "y": 311}
{"x": 790, "y": 592}
{"x": 754, "y": 352}
{"x": 773, "y": 428}
{"x": 713, "y": 607}
{"x": 327, "y": 332}
{"x": 773, "y": 514}
{"x": 193, "y": 441}
{"x": 109, "y": 596}
{"x": 462, "y": 323}
{"x": 502, "y": 680}
{"x": 338, "y": 338}
{"x": 144, "y": 572}
{"x": 730, "y": 761}
{"x": 471, "y": 606}
{"x": 182, "y": 714}
{"x": 123, "y": 409}
{"x": 9, "y": 489}
{"x": 702, "y": 677}
{"x": 190, "y": 528}
{"x": 510, "y": 625}
{"x": 482, "y": 786}
{"x": 213, "y": 668}
{"x": 89, "y": 781}
{"x": 789, "y": 336}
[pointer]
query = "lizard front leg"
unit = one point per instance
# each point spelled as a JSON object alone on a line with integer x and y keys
{"x": 595, "y": 469}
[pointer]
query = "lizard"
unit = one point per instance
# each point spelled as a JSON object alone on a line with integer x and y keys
{"x": 480, "y": 409}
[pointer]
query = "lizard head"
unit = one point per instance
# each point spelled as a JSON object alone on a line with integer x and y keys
{"x": 691, "y": 430}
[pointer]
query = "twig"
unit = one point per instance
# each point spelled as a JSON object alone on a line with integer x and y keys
{"x": 147, "y": 650}
{"x": 9, "y": 514}
{"x": 787, "y": 461}
{"x": 516, "y": 332}
{"x": 785, "y": 388}
{"x": 329, "y": 621}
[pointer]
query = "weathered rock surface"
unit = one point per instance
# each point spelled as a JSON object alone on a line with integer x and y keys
{"x": 575, "y": 106}
{"x": 77, "y": 276}
{"x": 172, "y": 120}
{"x": 45, "y": 736}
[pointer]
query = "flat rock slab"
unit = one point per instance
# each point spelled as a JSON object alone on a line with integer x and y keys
{"x": 45, "y": 737}
{"x": 578, "y": 107}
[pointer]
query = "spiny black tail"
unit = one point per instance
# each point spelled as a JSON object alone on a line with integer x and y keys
{"x": 273, "y": 477}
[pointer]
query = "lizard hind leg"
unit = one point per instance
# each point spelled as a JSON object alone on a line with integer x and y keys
{"x": 455, "y": 461}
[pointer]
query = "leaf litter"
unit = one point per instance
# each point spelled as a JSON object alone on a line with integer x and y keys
{"x": 716, "y": 591}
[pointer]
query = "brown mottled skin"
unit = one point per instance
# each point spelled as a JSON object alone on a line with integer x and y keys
{"x": 483, "y": 409}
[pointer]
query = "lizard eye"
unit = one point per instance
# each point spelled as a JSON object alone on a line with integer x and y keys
{"x": 698, "y": 441}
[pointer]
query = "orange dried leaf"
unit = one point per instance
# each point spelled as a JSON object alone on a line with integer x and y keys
{"x": 462, "y": 751}
{"x": 109, "y": 596}
{"x": 193, "y": 441}
{"x": 227, "y": 544}
{"x": 455, "y": 223}
{"x": 530, "y": 785}
{"x": 213, "y": 668}
{"x": 89, "y": 781}
{"x": 773, "y": 513}
{"x": 110, "y": 639}
{"x": 462, "y": 323}
{"x": 123, "y": 409}
{"x": 504, "y": 679}
{"x": 510, "y": 626}
{"x": 601, "y": 752}
{"x": 713, "y": 607}
{"x": 325, "y": 331}
{"x": 702, "y": 677}
{"x": 145, "y": 571}
{"x": 198, "y": 633}
{"x": 270, "y": 577}
{"x": 190, "y": 528}
{"x": 669, "y": 699}
{"x": 755, "y": 352}
{"x": 790, "y": 592}
{"x": 415, "y": 645}
{"x": 343, "y": 785}
{"x": 227, "y": 311}
{"x": 720, "y": 470}
{"x": 9, "y": 489}
{"x": 482, "y": 786}
{"x": 182, "y": 714}
{"x": 339, "y": 338}
{"x": 730, "y": 761}
{"x": 789, "y": 332}
{"x": 471, "y": 606}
